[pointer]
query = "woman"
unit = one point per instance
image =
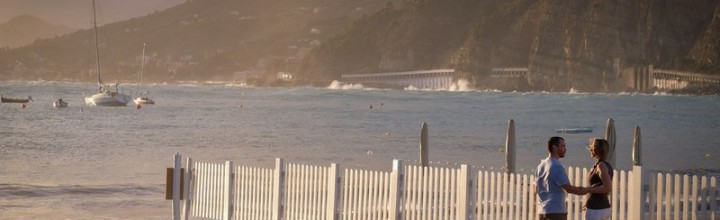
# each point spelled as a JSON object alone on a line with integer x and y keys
{"x": 597, "y": 204}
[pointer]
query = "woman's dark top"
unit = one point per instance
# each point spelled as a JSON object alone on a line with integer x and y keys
{"x": 598, "y": 200}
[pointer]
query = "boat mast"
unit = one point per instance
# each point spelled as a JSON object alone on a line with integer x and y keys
{"x": 142, "y": 67}
{"x": 97, "y": 52}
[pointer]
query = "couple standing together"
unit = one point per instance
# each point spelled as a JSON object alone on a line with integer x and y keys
{"x": 552, "y": 183}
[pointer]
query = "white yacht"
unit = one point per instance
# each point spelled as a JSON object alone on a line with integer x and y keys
{"x": 108, "y": 98}
{"x": 104, "y": 97}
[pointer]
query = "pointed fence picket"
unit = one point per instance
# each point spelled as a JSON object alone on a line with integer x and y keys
{"x": 435, "y": 192}
{"x": 253, "y": 193}
{"x": 307, "y": 191}
{"x": 683, "y": 197}
{"x": 211, "y": 190}
{"x": 366, "y": 194}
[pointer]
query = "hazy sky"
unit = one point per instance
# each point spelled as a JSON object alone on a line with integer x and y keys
{"x": 77, "y": 13}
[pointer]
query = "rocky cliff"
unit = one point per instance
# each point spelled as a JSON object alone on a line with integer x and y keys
{"x": 565, "y": 44}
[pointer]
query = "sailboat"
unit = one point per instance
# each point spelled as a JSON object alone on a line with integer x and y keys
{"x": 104, "y": 97}
{"x": 143, "y": 98}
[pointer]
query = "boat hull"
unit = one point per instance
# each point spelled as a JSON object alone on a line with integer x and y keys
{"x": 108, "y": 99}
{"x": 144, "y": 101}
{"x": 14, "y": 100}
{"x": 8, "y": 100}
{"x": 59, "y": 104}
{"x": 573, "y": 130}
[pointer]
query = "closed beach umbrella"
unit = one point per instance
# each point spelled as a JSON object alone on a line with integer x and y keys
{"x": 510, "y": 147}
{"x": 636, "y": 157}
{"x": 610, "y": 137}
{"x": 424, "y": 145}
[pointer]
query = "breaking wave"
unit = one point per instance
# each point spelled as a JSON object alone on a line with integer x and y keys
{"x": 344, "y": 86}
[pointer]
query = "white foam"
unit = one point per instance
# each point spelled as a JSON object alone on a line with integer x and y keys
{"x": 411, "y": 88}
{"x": 460, "y": 86}
{"x": 344, "y": 86}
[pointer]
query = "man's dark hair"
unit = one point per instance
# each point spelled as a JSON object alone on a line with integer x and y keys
{"x": 554, "y": 141}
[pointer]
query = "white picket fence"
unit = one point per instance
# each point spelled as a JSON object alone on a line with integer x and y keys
{"x": 253, "y": 193}
{"x": 689, "y": 197}
{"x": 294, "y": 191}
{"x": 366, "y": 194}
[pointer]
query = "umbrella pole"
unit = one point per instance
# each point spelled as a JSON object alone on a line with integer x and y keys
{"x": 637, "y": 146}
{"x": 510, "y": 147}
{"x": 424, "y": 145}
{"x": 610, "y": 137}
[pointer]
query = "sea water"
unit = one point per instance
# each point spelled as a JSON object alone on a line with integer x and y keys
{"x": 85, "y": 162}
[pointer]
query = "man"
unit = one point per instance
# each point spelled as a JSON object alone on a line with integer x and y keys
{"x": 552, "y": 183}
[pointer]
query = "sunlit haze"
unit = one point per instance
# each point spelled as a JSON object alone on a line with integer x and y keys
{"x": 75, "y": 13}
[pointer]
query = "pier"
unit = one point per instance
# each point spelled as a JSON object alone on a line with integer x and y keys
{"x": 647, "y": 78}
{"x": 421, "y": 79}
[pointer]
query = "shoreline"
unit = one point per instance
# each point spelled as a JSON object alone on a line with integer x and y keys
{"x": 692, "y": 89}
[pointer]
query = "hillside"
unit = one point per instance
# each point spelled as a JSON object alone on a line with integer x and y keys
{"x": 24, "y": 29}
{"x": 197, "y": 40}
{"x": 74, "y": 13}
{"x": 576, "y": 44}
{"x": 579, "y": 45}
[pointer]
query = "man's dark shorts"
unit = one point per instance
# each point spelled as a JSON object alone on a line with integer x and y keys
{"x": 553, "y": 216}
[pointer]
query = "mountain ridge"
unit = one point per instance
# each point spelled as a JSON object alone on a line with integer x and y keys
{"x": 195, "y": 41}
{"x": 565, "y": 45}
{"x": 24, "y": 29}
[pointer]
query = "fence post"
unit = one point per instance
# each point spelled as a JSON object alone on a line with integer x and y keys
{"x": 228, "y": 190}
{"x": 176, "y": 187}
{"x": 636, "y": 194}
{"x": 333, "y": 195}
{"x": 464, "y": 188}
{"x": 396, "y": 180}
{"x": 189, "y": 179}
{"x": 278, "y": 184}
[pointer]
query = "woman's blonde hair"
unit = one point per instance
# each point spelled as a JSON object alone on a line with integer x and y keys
{"x": 600, "y": 147}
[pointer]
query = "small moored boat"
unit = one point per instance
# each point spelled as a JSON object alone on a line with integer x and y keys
{"x": 15, "y": 100}
{"x": 574, "y": 130}
{"x": 143, "y": 99}
{"x": 60, "y": 103}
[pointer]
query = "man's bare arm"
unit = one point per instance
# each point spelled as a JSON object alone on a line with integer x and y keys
{"x": 575, "y": 190}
